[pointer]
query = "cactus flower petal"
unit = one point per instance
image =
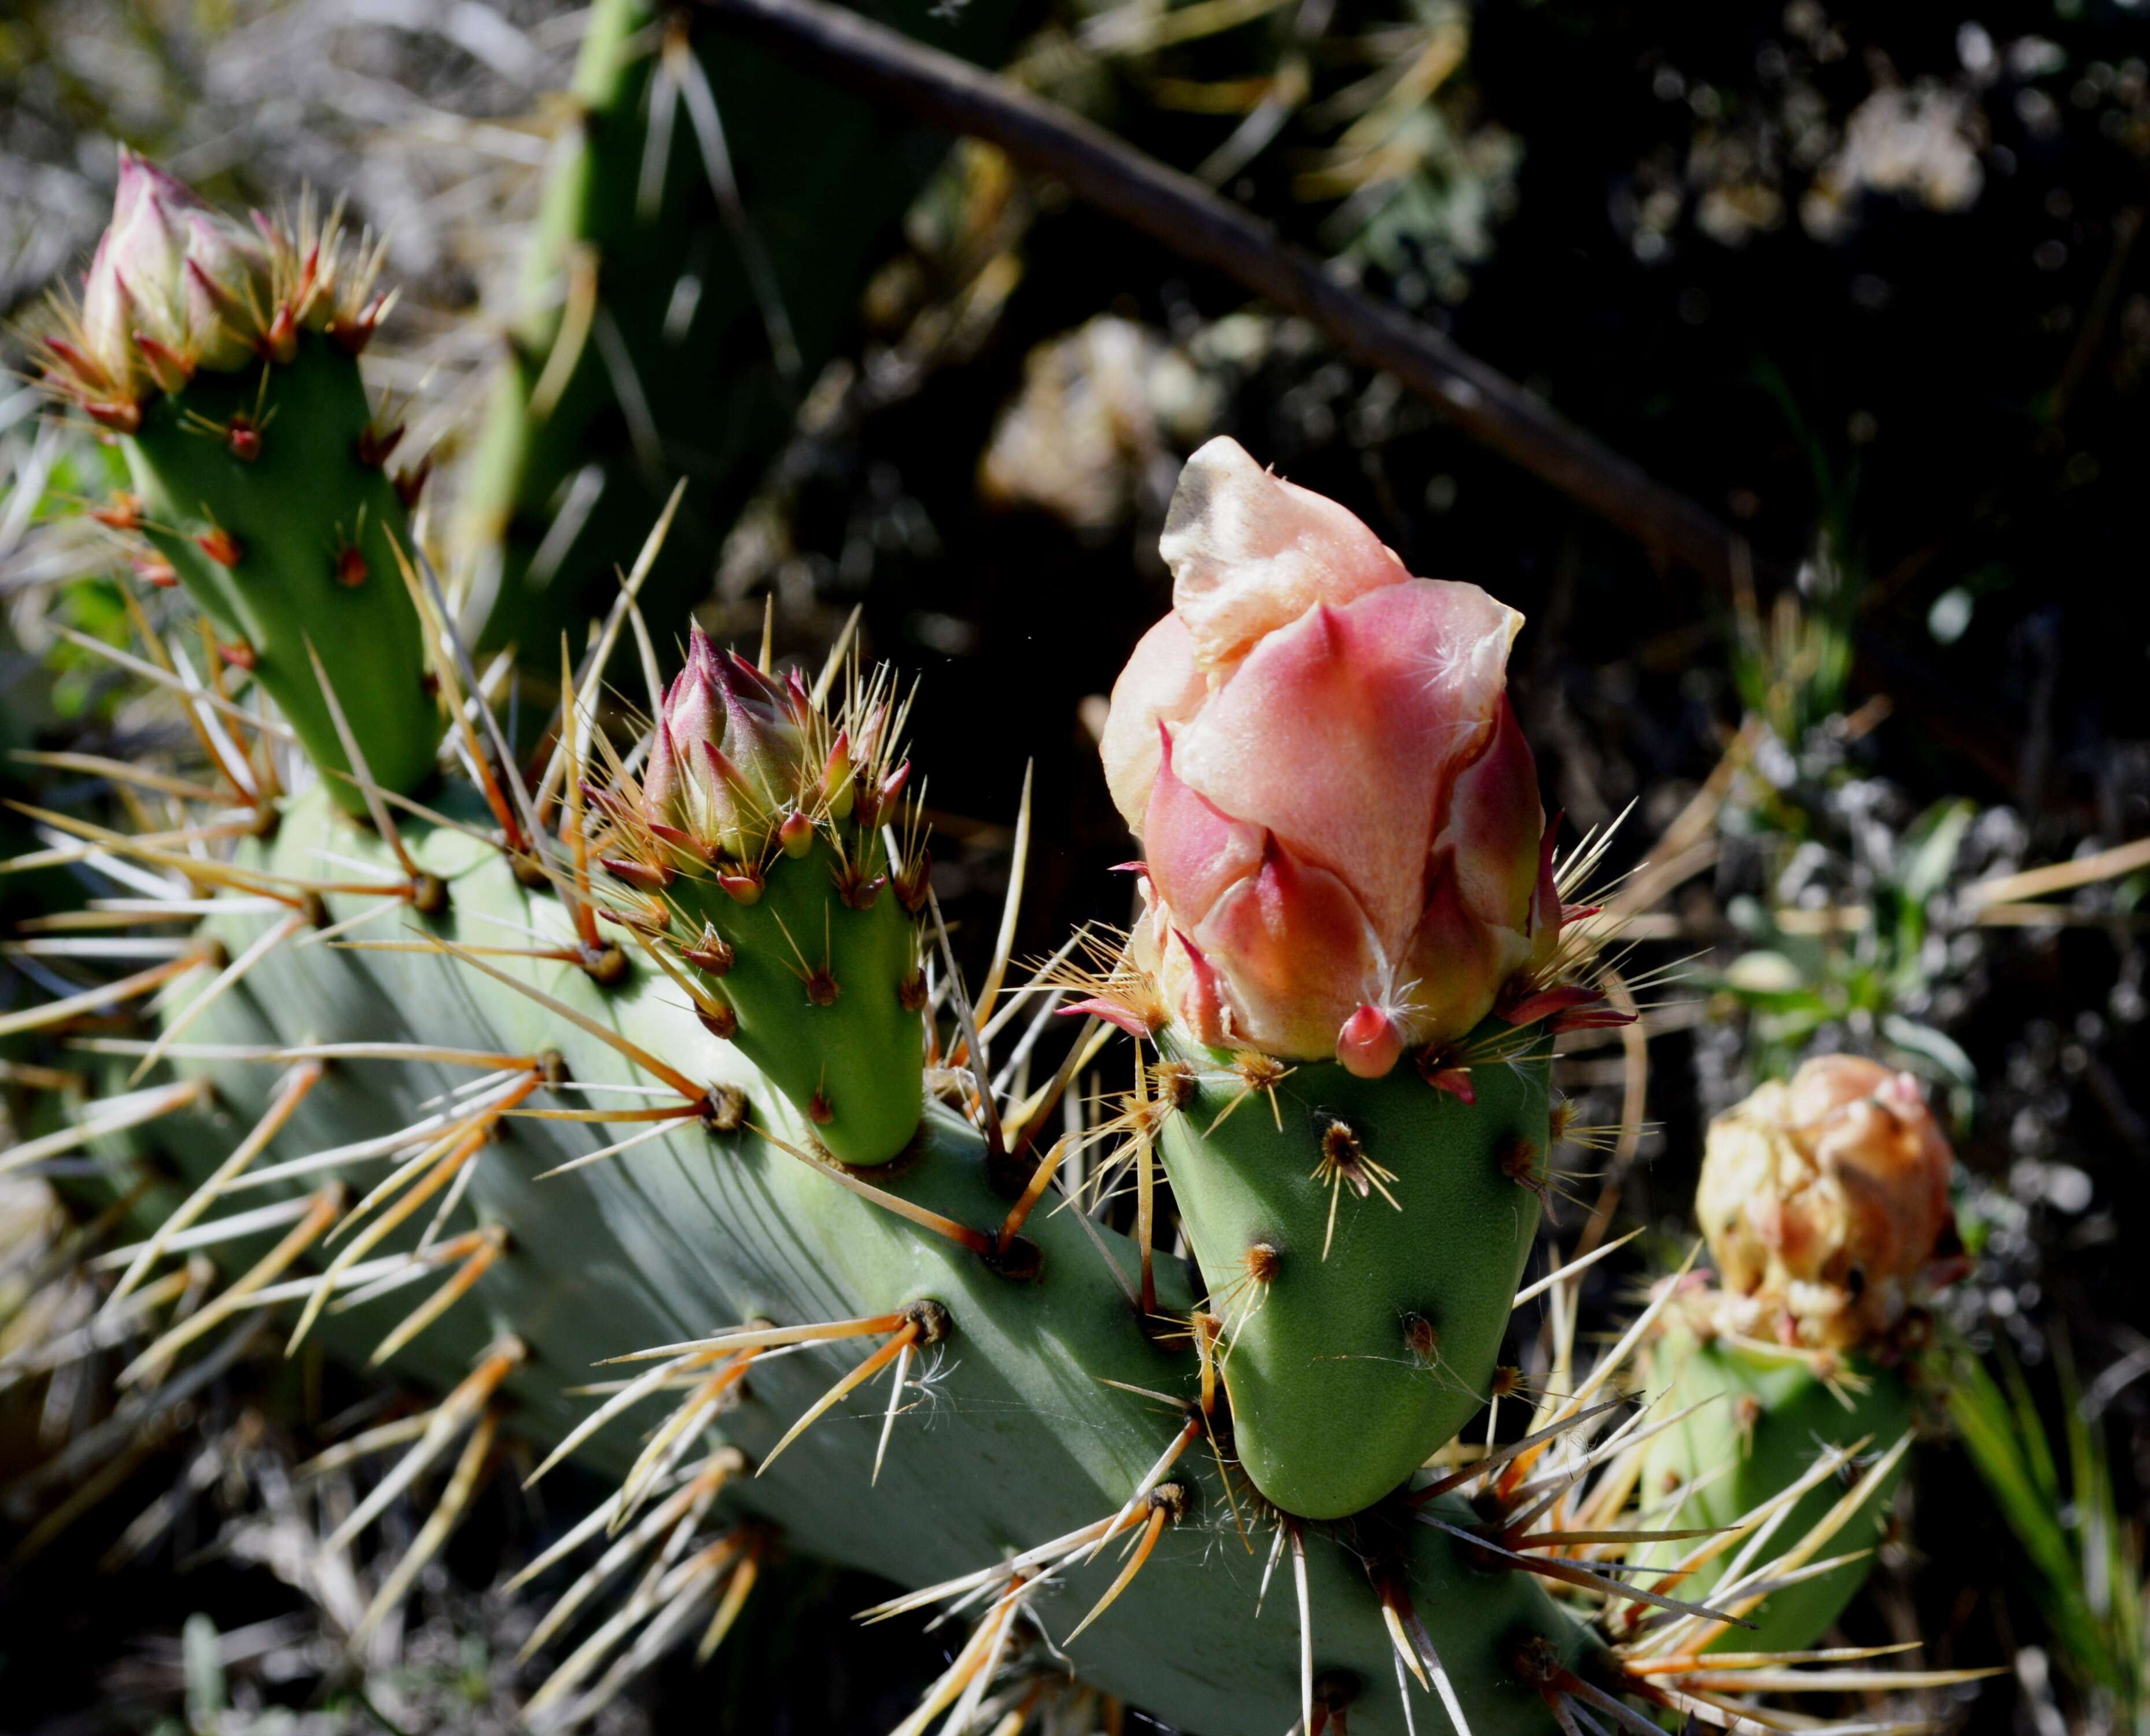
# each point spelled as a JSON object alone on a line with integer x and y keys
{"x": 1250, "y": 552}
{"x": 1337, "y": 806}
{"x": 1295, "y": 951}
{"x": 1160, "y": 685}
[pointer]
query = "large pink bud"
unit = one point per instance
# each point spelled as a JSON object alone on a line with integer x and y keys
{"x": 175, "y": 284}
{"x": 1826, "y": 1199}
{"x": 1340, "y": 817}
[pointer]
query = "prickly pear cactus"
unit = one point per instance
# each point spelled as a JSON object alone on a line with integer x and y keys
{"x": 1754, "y": 1415}
{"x": 225, "y": 360}
{"x": 647, "y": 1090}
{"x": 710, "y": 221}
{"x": 1826, "y": 1203}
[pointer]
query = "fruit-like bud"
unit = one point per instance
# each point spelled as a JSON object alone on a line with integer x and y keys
{"x": 1824, "y": 1200}
{"x": 1339, "y": 813}
{"x": 170, "y": 286}
{"x": 837, "y": 779}
{"x": 730, "y": 761}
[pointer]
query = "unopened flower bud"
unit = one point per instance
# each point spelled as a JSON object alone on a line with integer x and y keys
{"x": 728, "y": 766}
{"x": 171, "y": 277}
{"x": 1824, "y": 1200}
{"x": 1339, "y": 813}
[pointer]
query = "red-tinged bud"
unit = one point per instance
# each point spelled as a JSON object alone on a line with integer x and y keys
{"x": 891, "y": 787}
{"x": 281, "y": 342}
{"x": 153, "y": 569}
{"x": 1824, "y": 1200}
{"x": 913, "y": 880}
{"x": 169, "y": 370}
{"x": 350, "y": 569}
{"x": 1369, "y": 1044}
{"x": 713, "y": 953}
{"x": 911, "y": 993}
{"x": 742, "y": 881}
{"x": 795, "y": 835}
{"x": 1456, "y": 1081}
{"x": 677, "y": 839}
{"x": 167, "y": 273}
{"x": 375, "y": 443}
{"x": 220, "y": 545}
{"x": 1339, "y": 814}
{"x": 1549, "y": 1003}
{"x": 85, "y": 368}
{"x": 119, "y": 512}
{"x": 1589, "y": 1018}
{"x": 123, "y": 416}
{"x": 718, "y": 1020}
{"x": 354, "y": 331}
{"x": 837, "y": 779}
{"x": 410, "y": 484}
{"x": 801, "y": 699}
{"x": 729, "y": 762}
{"x": 242, "y": 439}
{"x": 819, "y": 1110}
{"x": 859, "y": 891}
{"x": 650, "y": 876}
{"x": 239, "y": 655}
{"x": 1113, "y": 1013}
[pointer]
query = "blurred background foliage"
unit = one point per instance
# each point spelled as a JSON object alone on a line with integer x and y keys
{"x": 1867, "y": 282}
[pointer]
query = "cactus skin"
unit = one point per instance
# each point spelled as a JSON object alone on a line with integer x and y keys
{"x": 820, "y": 989}
{"x": 1767, "y": 1418}
{"x": 699, "y": 1229}
{"x": 824, "y": 178}
{"x": 1352, "y": 1369}
{"x": 314, "y": 525}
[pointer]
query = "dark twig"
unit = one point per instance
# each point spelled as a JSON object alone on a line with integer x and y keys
{"x": 1186, "y": 216}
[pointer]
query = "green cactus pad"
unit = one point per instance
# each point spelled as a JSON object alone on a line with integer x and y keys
{"x": 820, "y": 989}
{"x": 1021, "y": 1439}
{"x": 314, "y": 527}
{"x": 1345, "y": 1373}
{"x": 677, "y": 372}
{"x": 1767, "y": 1418}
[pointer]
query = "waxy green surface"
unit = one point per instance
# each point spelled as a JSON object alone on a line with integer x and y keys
{"x": 1349, "y": 1368}
{"x": 1015, "y": 1437}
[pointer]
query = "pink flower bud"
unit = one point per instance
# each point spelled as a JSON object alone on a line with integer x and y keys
{"x": 1824, "y": 1200}
{"x": 1339, "y": 814}
{"x": 172, "y": 285}
{"x": 730, "y": 761}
